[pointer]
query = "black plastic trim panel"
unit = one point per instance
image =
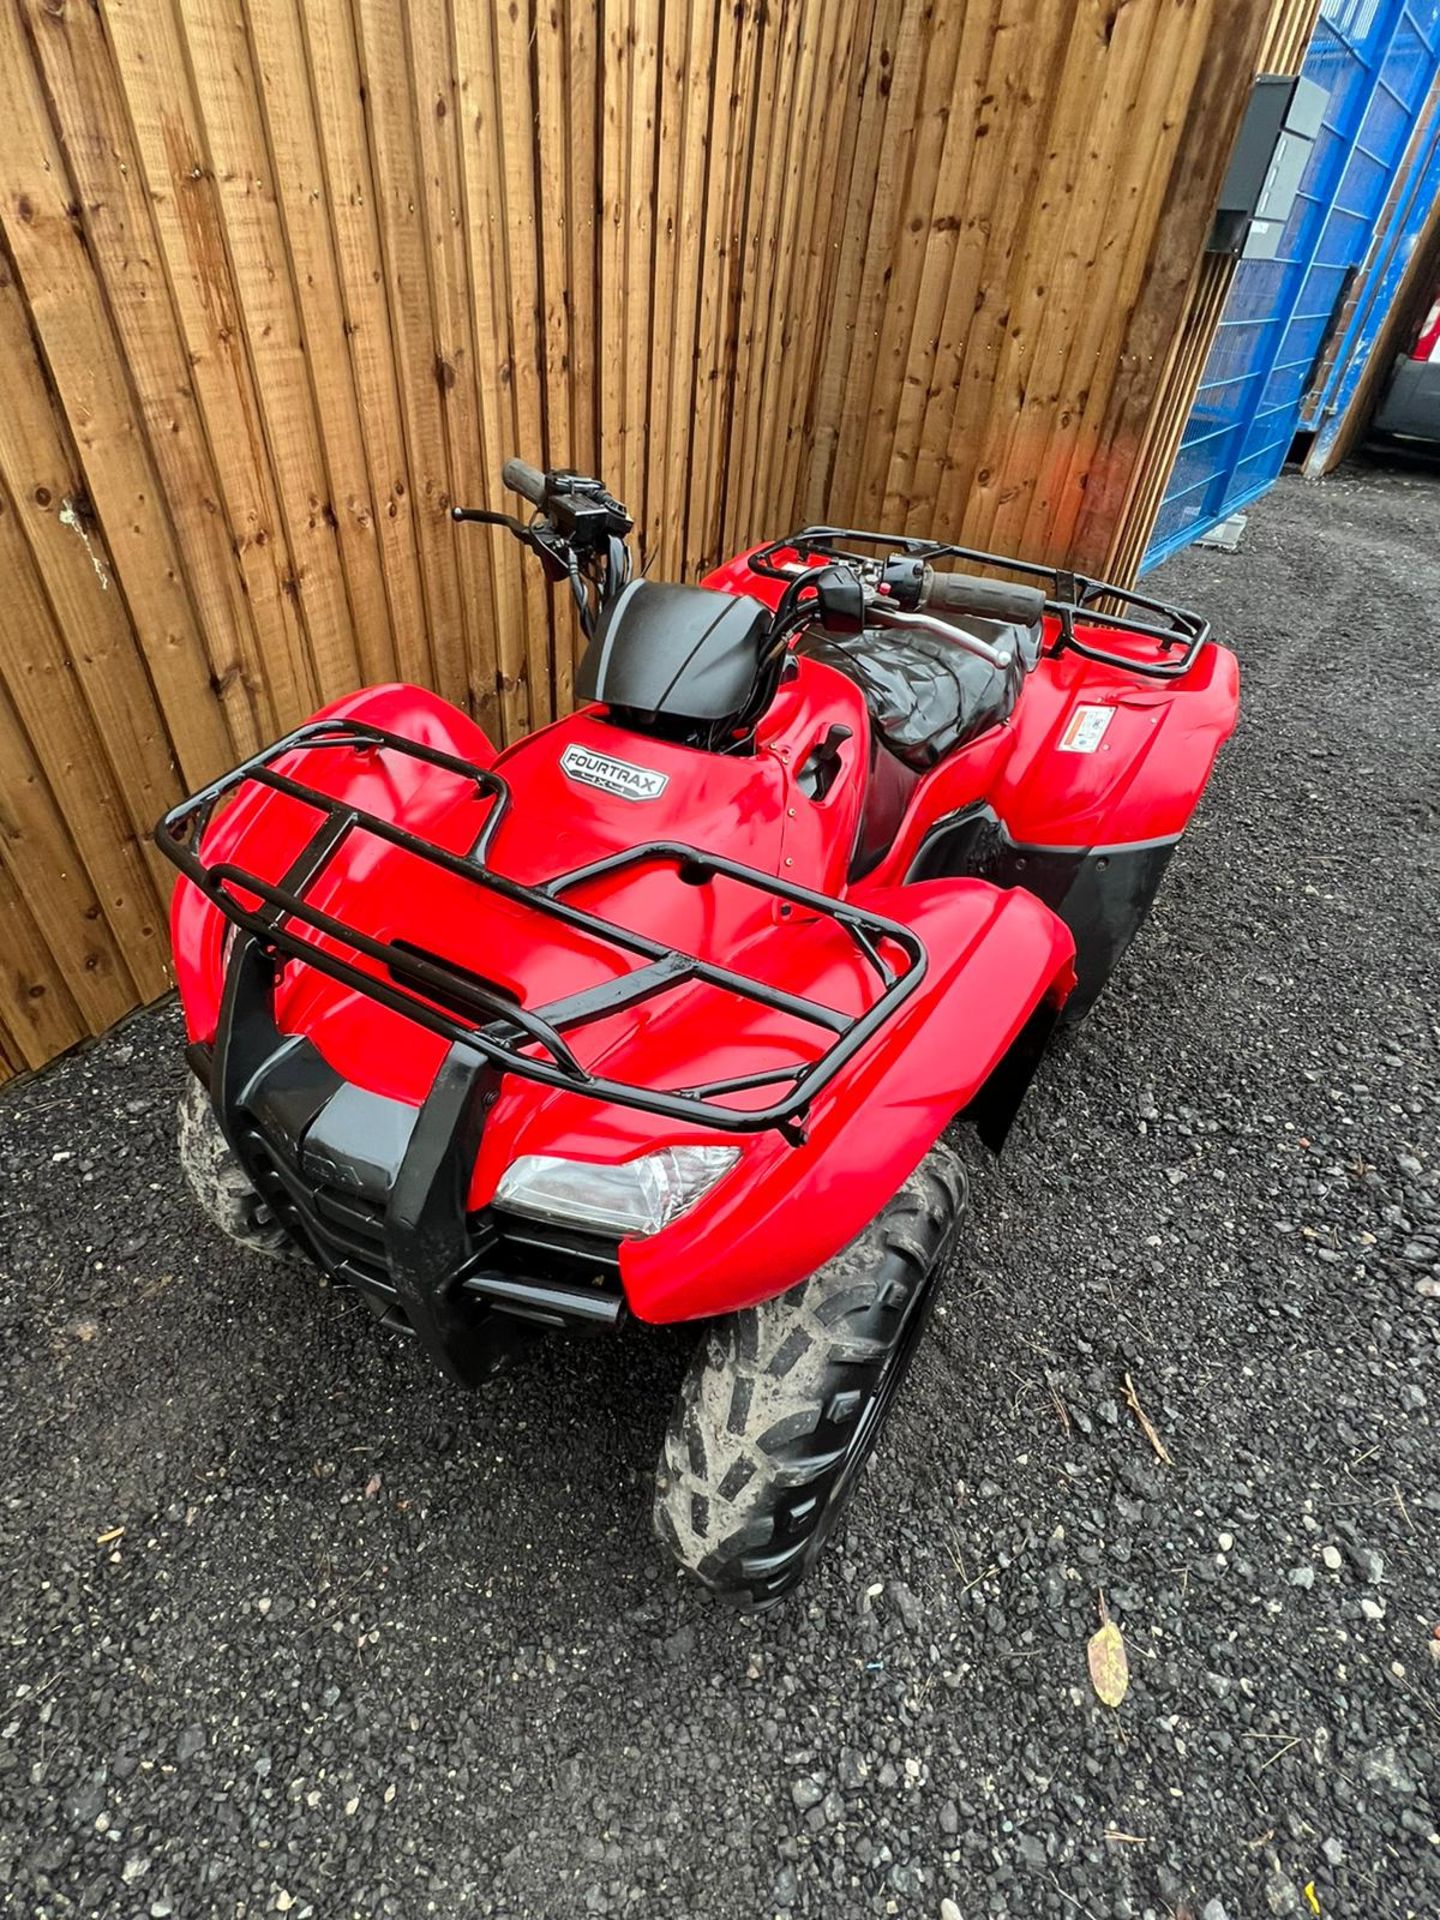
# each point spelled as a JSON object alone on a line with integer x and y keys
{"x": 376, "y": 1193}
{"x": 1103, "y": 894}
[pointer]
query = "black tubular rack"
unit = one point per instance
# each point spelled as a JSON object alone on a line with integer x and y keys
{"x": 461, "y": 1006}
{"x": 1179, "y": 634}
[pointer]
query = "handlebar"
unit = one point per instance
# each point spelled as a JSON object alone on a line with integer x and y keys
{"x": 525, "y": 480}
{"x": 989, "y": 599}
{"x": 580, "y": 537}
{"x": 578, "y": 531}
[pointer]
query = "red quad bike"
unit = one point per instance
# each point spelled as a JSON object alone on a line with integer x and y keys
{"x": 661, "y": 1012}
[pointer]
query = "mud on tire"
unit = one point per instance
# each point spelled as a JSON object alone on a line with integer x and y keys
{"x": 783, "y": 1401}
{"x": 219, "y": 1182}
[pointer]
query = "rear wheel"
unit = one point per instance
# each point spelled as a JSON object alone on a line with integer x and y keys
{"x": 784, "y": 1401}
{"x": 219, "y": 1182}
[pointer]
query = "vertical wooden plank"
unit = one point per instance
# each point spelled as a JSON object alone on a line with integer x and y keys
{"x": 41, "y": 476}
{"x": 792, "y": 364}
{"x": 644, "y": 73}
{"x": 690, "y": 267}
{"x": 1020, "y": 442}
{"x": 184, "y": 200}
{"x": 947, "y": 165}
{"x": 741, "y": 39}
{"x": 1004, "y": 183}
{"x": 437, "y": 126}
{"x": 665, "y": 348}
{"x": 292, "y": 158}
{"x": 67, "y": 308}
{"x": 1288, "y": 33}
{"x": 803, "y": 95}
{"x": 581, "y": 24}
{"x": 760, "y": 296}
{"x": 46, "y": 865}
{"x": 767, "y": 150}
{"x": 355, "y": 303}
{"x": 972, "y": 202}
{"x": 552, "y": 147}
{"x": 227, "y": 92}
{"x": 513, "y": 26}
{"x": 553, "y": 82}
{"x": 52, "y": 733}
{"x": 870, "y": 85}
{"x": 484, "y": 220}
{"x": 80, "y": 80}
{"x": 390, "y": 173}
{"x": 942, "y": 98}
{"x": 898, "y": 80}
{"x": 1119, "y": 206}
{"x": 819, "y": 296}
{"x": 40, "y": 1016}
{"x": 614, "y": 216}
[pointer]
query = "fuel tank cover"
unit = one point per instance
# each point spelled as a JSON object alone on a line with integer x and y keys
{"x": 688, "y": 652}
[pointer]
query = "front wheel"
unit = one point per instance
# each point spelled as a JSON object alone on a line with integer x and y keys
{"x": 784, "y": 1401}
{"x": 218, "y": 1181}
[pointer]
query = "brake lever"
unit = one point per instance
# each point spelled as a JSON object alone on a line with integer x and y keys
{"x": 955, "y": 636}
{"x": 486, "y": 517}
{"x": 554, "y": 551}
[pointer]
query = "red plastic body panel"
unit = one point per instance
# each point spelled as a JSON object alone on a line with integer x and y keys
{"x": 786, "y": 1210}
{"x": 1140, "y": 784}
{"x": 267, "y": 830}
{"x": 993, "y": 955}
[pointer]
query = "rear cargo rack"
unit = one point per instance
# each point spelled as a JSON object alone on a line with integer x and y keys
{"x": 464, "y": 1008}
{"x": 1073, "y": 596}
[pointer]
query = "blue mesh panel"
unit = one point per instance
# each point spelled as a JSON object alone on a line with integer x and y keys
{"x": 1376, "y": 60}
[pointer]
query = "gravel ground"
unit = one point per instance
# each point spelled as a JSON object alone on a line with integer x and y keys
{"x": 291, "y": 1626}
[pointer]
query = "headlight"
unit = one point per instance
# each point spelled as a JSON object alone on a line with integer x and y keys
{"x": 628, "y": 1197}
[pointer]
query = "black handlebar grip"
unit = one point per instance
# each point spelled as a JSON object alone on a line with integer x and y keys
{"x": 990, "y": 599}
{"x": 525, "y": 480}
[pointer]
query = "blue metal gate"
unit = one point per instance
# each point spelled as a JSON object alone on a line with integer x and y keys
{"x": 1377, "y": 60}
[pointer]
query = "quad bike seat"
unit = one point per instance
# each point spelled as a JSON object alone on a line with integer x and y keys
{"x": 924, "y": 697}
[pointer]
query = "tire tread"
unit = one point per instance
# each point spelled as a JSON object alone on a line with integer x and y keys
{"x": 759, "y": 1438}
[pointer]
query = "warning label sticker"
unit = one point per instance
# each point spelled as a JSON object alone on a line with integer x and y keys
{"x": 1085, "y": 729}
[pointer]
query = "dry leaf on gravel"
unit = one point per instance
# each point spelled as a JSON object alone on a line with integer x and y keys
{"x": 1109, "y": 1667}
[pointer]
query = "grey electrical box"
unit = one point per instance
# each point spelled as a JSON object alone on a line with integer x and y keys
{"x": 1272, "y": 151}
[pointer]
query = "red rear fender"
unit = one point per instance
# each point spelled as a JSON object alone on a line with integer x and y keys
{"x": 1103, "y": 759}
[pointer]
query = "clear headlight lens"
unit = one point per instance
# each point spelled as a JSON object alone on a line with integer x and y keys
{"x": 631, "y": 1197}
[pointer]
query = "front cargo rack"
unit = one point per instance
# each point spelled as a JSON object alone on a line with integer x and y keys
{"x": 464, "y": 1008}
{"x": 1179, "y": 634}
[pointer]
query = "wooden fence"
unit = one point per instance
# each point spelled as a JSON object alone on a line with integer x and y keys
{"x": 281, "y": 279}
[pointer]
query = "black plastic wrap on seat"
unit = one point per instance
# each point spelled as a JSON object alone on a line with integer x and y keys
{"x": 924, "y": 694}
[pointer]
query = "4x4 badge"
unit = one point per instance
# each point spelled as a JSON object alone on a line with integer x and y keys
{"x": 613, "y": 776}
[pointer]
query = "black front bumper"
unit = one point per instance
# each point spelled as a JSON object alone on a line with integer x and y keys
{"x": 376, "y": 1192}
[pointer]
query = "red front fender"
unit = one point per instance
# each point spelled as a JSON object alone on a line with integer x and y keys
{"x": 271, "y": 829}
{"x": 786, "y": 1210}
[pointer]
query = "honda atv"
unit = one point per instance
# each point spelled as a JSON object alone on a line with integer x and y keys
{"x": 661, "y": 1013}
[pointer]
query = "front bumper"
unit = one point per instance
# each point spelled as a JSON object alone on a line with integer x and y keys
{"x": 375, "y": 1191}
